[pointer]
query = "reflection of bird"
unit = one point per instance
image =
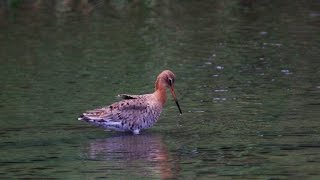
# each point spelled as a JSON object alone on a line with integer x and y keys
{"x": 144, "y": 155}
{"x": 134, "y": 112}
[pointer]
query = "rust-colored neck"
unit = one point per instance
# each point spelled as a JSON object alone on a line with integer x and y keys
{"x": 160, "y": 90}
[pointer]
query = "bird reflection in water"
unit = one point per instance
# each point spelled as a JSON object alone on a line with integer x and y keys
{"x": 144, "y": 155}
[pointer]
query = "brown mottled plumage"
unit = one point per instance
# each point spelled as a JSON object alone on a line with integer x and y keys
{"x": 134, "y": 112}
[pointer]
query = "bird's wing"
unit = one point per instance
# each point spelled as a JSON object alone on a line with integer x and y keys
{"x": 116, "y": 112}
{"x": 128, "y": 96}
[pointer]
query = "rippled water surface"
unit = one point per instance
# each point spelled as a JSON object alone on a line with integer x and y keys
{"x": 247, "y": 81}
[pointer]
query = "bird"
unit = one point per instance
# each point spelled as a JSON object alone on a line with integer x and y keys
{"x": 134, "y": 112}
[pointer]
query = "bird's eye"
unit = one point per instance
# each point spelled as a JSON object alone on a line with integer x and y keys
{"x": 170, "y": 81}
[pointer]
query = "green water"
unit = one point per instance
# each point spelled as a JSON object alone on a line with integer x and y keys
{"x": 247, "y": 82}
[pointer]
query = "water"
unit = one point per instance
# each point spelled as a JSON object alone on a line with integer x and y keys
{"x": 247, "y": 82}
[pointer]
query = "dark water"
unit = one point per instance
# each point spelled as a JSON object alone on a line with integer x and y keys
{"x": 247, "y": 81}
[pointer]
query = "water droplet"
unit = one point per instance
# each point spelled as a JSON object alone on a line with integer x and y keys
{"x": 219, "y": 67}
{"x": 286, "y": 71}
{"x": 272, "y": 44}
{"x": 314, "y": 14}
{"x": 199, "y": 111}
{"x": 219, "y": 99}
{"x": 220, "y": 90}
{"x": 263, "y": 33}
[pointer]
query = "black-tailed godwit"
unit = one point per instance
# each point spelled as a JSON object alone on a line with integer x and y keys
{"x": 134, "y": 112}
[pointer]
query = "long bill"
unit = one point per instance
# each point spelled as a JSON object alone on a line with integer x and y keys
{"x": 175, "y": 98}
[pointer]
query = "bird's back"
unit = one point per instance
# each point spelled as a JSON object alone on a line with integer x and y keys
{"x": 133, "y": 113}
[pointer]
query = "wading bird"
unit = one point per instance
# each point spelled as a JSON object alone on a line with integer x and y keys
{"x": 134, "y": 112}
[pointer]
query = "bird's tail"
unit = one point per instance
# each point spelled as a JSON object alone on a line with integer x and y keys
{"x": 90, "y": 119}
{"x": 97, "y": 121}
{"x": 83, "y": 118}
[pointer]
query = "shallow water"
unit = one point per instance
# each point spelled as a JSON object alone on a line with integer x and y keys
{"x": 247, "y": 82}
